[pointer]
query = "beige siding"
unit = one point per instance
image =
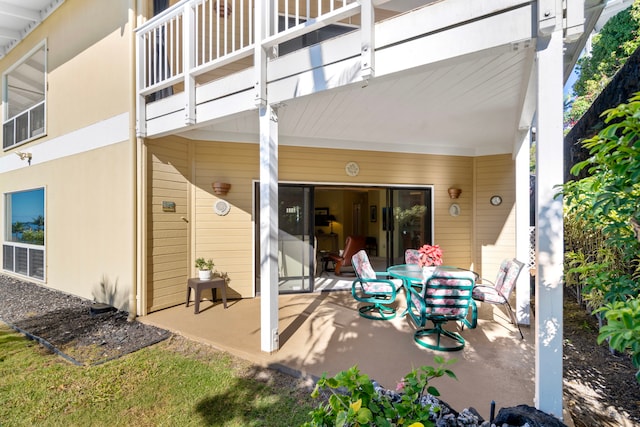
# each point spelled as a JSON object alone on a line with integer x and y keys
{"x": 477, "y": 238}
{"x": 495, "y": 225}
{"x": 168, "y": 264}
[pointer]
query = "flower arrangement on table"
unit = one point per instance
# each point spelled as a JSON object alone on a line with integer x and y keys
{"x": 430, "y": 256}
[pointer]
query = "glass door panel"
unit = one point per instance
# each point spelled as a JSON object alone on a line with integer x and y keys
{"x": 295, "y": 240}
{"x": 407, "y": 221}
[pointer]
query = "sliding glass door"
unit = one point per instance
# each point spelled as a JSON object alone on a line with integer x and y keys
{"x": 296, "y": 258}
{"x": 296, "y": 247}
{"x": 407, "y": 221}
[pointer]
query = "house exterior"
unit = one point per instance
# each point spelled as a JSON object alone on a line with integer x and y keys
{"x": 328, "y": 118}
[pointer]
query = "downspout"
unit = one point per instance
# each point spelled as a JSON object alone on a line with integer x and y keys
{"x": 133, "y": 143}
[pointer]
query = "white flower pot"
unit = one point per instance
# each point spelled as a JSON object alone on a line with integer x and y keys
{"x": 428, "y": 272}
{"x": 204, "y": 274}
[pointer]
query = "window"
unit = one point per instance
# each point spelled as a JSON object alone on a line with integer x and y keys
{"x": 23, "y": 249}
{"x": 24, "y": 99}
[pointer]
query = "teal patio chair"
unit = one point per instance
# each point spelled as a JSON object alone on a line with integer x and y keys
{"x": 446, "y": 296}
{"x": 375, "y": 289}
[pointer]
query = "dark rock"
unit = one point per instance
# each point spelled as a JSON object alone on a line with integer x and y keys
{"x": 525, "y": 414}
{"x": 100, "y": 308}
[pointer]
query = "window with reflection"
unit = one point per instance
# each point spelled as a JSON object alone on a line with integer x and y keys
{"x": 23, "y": 249}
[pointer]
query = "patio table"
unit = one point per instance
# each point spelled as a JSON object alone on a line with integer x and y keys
{"x": 411, "y": 274}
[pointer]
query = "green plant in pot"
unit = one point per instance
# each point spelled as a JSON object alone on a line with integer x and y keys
{"x": 205, "y": 268}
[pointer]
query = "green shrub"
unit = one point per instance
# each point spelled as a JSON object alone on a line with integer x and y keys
{"x": 603, "y": 257}
{"x": 354, "y": 400}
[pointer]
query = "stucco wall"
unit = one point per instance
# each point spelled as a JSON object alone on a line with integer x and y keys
{"x": 84, "y": 161}
{"x": 88, "y": 63}
{"x": 88, "y": 217}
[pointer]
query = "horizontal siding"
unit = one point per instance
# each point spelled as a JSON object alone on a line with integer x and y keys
{"x": 495, "y": 225}
{"x": 478, "y": 238}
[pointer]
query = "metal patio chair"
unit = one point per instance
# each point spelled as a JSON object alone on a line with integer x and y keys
{"x": 375, "y": 289}
{"x": 498, "y": 292}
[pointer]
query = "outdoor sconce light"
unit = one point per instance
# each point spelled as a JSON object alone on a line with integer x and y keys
{"x": 221, "y": 188}
{"x": 24, "y": 156}
{"x": 454, "y": 193}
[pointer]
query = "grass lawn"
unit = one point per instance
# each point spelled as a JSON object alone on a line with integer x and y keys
{"x": 174, "y": 383}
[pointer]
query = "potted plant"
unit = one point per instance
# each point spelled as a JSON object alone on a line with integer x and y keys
{"x": 205, "y": 268}
{"x": 430, "y": 258}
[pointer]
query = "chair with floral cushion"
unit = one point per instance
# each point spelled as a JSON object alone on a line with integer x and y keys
{"x": 412, "y": 256}
{"x": 375, "y": 289}
{"x": 498, "y": 292}
{"x": 444, "y": 297}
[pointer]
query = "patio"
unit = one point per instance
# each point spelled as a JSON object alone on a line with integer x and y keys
{"x": 322, "y": 332}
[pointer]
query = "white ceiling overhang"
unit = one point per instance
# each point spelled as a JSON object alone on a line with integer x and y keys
{"x": 458, "y": 90}
{"x": 19, "y": 17}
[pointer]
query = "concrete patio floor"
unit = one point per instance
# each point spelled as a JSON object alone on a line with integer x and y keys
{"x": 322, "y": 332}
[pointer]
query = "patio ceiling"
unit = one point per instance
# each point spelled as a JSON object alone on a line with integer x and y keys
{"x": 473, "y": 105}
{"x": 468, "y": 106}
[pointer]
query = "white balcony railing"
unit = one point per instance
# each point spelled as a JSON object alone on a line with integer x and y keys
{"x": 190, "y": 43}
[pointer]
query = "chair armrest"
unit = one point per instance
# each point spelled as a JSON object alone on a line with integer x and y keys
{"x": 394, "y": 286}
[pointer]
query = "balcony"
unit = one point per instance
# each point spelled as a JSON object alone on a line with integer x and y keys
{"x": 201, "y": 54}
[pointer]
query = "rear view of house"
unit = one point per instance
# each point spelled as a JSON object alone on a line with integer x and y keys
{"x": 321, "y": 120}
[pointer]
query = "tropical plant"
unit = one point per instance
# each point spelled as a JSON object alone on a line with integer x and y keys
{"x": 623, "y": 328}
{"x": 611, "y": 48}
{"x": 606, "y": 203}
{"x": 202, "y": 264}
{"x": 355, "y": 400}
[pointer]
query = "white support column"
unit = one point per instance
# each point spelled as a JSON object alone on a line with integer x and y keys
{"x": 367, "y": 50}
{"x": 189, "y": 61}
{"x": 549, "y": 231}
{"x": 268, "y": 117}
{"x": 269, "y": 341}
{"x": 523, "y": 291}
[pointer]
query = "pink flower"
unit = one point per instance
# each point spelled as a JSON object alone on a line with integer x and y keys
{"x": 430, "y": 255}
{"x": 400, "y": 386}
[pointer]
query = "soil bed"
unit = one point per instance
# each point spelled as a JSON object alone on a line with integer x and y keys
{"x": 600, "y": 388}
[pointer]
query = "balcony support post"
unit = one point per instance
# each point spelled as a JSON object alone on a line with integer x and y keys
{"x": 268, "y": 119}
{"x": 367, "y": 52}
{"x": 549, "y": 225}
{"x": 189, "y": 61}
{"x": 141, "y": 102}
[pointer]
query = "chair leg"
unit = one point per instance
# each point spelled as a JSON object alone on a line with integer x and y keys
{"x": 513, "y": 319}
{"x": 383, "y": 312}
{"x": 438, "y": 331}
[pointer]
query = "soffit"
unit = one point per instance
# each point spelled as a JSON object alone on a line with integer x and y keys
{"x": 471, "y": 106}
{"x": 19, "y": 17}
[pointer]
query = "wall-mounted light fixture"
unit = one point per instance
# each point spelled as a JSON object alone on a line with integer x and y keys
{"x": 221, "y": 188}
{"x": 24, "y": 156}
{"x": 454, "y": 193}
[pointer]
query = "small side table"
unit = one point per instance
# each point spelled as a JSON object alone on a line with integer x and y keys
{"x": 199, "y": 285}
